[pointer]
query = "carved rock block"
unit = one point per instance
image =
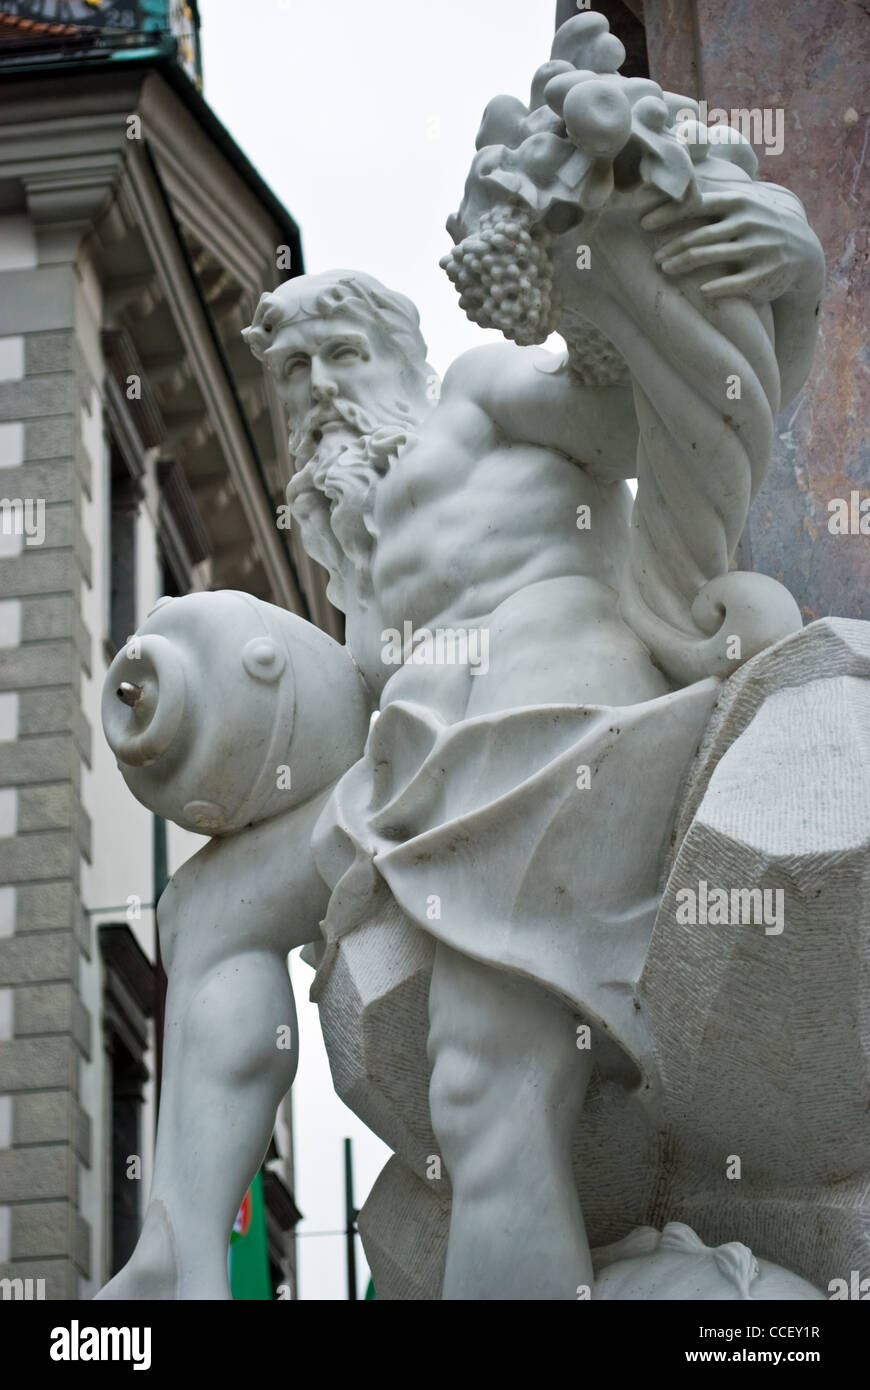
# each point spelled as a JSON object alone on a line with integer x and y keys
{"x": 762, "y": 1027}
{"x": 374, "y": 1012}
{"x": 404, "y": 1228}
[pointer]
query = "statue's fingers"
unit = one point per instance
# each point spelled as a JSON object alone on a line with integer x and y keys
{"x": 703, "y": 205}
{"x": 665, "y": 216}
{"x": 698, "y": 256}
{"x": 670, "y": 213}
{"x": 711, "y": 233}
{"x": 742, "y": 283}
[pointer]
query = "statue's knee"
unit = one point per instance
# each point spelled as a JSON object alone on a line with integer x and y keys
{"x": 463, "y": 1099}
{"x": 448, "y": 1098}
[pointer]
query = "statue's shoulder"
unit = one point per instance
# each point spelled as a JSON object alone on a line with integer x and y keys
{"x": 483, "y": 373}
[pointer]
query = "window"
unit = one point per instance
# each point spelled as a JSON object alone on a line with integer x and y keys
{"x": 125, "y": 494}
{"x": 128, "y": 1004}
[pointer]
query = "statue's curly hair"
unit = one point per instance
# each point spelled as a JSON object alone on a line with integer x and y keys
{"x": 348, "y": 291}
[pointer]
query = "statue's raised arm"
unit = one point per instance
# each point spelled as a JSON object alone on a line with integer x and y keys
{"x": 605, "y": 211}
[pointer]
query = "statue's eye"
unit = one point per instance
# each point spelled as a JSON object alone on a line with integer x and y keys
{"x": 344, "y": 353}
{"x": 292, "y": 365}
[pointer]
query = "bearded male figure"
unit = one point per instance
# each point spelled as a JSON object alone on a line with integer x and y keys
{"x": 500, "y": 514}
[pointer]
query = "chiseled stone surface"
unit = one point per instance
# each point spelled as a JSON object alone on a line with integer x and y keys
{"x": 760, "y": 1027}
{"x": 371, "y": 1006}
{"x": 46, "y": 906}
{"x": 404, "y": 1226}
{"x": 827, "y": 649}
{"x": 39, "y": 1064}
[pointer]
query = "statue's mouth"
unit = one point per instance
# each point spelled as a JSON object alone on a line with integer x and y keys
{"x": 317, "y": 430}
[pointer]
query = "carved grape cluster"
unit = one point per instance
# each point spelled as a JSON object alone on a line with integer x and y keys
{"x": 592, "y": 357}
{"x": 505, "y": 277}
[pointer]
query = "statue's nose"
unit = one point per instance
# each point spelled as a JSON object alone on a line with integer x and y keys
{"x": 323, "y": 385}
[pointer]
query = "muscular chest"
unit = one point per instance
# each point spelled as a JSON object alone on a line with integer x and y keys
{"x": 435, "y": 470}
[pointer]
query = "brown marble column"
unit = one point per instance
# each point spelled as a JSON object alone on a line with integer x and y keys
{"x": 809, "y": 59}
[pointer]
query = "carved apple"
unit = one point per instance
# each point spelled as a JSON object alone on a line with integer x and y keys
{"x": 598, "y": 117}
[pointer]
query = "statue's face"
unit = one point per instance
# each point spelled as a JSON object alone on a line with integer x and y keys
{"x": 334, "y": 376}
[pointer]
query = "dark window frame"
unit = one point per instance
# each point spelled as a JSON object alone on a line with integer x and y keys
{"x": 128, "y": 1007}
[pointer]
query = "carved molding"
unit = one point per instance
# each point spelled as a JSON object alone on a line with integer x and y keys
{"x": 122, "y": 360}
{"x": 204, "y": 352}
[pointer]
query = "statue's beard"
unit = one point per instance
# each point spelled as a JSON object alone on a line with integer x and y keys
{"x": 332, "y": 492}
{"x": 315, "y": 437}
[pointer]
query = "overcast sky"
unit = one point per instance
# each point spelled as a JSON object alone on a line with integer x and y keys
{"x": 361, "y": 116}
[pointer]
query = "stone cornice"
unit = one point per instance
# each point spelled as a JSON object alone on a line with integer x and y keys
{"x": 229, "y": 220}
{"x": 157, "y": 226}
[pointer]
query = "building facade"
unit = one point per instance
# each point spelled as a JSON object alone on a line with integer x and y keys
{"x": 142, "y": 452}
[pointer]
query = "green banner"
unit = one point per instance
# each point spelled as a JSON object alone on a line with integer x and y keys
{"x": 249, "y": 1251}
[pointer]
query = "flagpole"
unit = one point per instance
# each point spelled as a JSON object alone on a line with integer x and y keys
{"x": 350, "y": 1219}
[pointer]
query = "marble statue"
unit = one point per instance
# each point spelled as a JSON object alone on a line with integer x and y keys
{"x": 469, "y": 813}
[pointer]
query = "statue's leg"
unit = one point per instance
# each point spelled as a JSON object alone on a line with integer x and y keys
{"x": 227, "y": 920}
{"x": 508, "y": 1085}
{"x": 226, "y": 1069}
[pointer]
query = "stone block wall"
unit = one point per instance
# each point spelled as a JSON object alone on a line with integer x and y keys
{"x": 45, "y": 1029}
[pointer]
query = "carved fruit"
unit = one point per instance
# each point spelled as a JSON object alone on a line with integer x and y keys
{"x": 542, "y": 156}
{"x": 559, "y": 86}
{"x": 541, "y": 78}
{"x": 598, "y": 118}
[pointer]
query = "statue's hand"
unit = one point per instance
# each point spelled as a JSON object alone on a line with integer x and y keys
{"x": 771, "y": 247}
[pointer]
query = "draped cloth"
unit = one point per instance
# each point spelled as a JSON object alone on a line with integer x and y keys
{"x": 486, "y": 835}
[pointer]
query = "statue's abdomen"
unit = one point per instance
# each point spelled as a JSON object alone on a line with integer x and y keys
{"x": 458, "y": 536}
